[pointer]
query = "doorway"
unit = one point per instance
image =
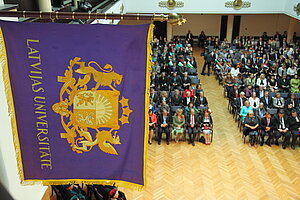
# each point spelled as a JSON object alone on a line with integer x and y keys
{"x": 160, "y": 29}
{"x": 223, "y": 29}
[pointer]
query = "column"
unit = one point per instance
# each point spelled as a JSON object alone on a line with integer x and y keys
{"x": 229, "y": 28}
{"x": 169, "y": 31}
{"x": 291, "y": 29}
{"x": 45, "y": 5}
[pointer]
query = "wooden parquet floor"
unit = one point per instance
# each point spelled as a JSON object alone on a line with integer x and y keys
{"x": 227, "y": 169}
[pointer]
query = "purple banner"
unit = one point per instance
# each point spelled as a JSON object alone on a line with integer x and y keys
{"x": 78, "y": 100}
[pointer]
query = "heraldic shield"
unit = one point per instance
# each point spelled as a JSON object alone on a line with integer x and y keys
{"x": 90, "y": 116}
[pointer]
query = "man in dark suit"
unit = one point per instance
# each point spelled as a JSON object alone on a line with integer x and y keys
{"x": 266, "y": 100}
{"x": 260, "y": 92}
{"x": 201, "y": 100}
{"x": 240, "y": 102}
{"x": 175, "y": 81}
{"x": 163, "y": 122}
{"x": 176, "y": 99}
{"x": 294, "y": 127}
{"x": 284, "y": 83}
{"x": 268, "y": 125}
{"x": 186, "y": 81}
{"x": 234, "y": 94}
{"x": 154, "y": 95}
{"x": 189, "y": 37}
{"x": 154, "y": 81}
{"x": 188, "y": 99}
{"x": 282, "y": 129}
{"x": 192, "y": 125}
{"x": 207, "y": 62}
{"x": 292, "y": 100}
{"x": 163, "y": 82}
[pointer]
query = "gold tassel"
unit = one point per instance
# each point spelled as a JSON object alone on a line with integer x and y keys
{"x": 11, "y": 107}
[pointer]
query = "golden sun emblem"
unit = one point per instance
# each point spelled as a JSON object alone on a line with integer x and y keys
{"x": 88, "y": 115}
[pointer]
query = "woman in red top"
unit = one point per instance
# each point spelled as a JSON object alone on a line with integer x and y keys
{"x": 152, "y": 125}
{"x": 191, "y": 90}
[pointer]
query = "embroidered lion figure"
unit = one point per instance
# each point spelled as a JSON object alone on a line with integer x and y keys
{"x": 106, "y": 78}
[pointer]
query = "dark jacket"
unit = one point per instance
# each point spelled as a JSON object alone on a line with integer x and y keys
{"x": 160, "y": 120}
{"x": 199, "y": 102}
{"x": 272, "y": 125}
{"x": 188, "y": 120}
{"x": 176, "y": 100}
{"x": 294, "y": 125}
{"x": 264, "y": 101}
{"x": 286, "y": 121}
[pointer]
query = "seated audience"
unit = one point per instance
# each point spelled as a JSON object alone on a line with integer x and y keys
{"x": 260, "y": 111}
{"x": 73, "y": 192}
{"x": 268, "y": 125}
{"x": 294, "y": 128}
{"x": 251, "y": 125}
{"x": 163, "y": 82}
{"x": 152, "y": 106}
{"x": 198, "y": 90}
{"x": 186, "y": 81}
{"x": 278, "y": 102}
{"x": 164, "y": 122}
{"x": 282, "y": 129}
{"x": 152, "y": 125}
{"x": 292, "y": 100}
{"x": 189, "y": 89}
{"x": 284, "y": 84}
{"x": 192, "y": 126}
{"x": 164, "y": 97}
{"x": 240, "y": 102}
{"x": 206, "y": 125}
{"x": 245, "y": 110}
{"x": 188, "y": 99}
{"x": 295, "y": 84}
{"x": 178, "y": 124}
{"x": 266, "y": 100}
{"x": 175, "y": 82}
{"x": 163, "y": 106}
{"x": 254, "y": 101}
{"x": 201, "y": 100}
{"x": 176, "y": 99}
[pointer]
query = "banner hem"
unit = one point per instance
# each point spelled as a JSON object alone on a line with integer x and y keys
{"x": 11, "y": 106}
{"x": 147, "y": 95}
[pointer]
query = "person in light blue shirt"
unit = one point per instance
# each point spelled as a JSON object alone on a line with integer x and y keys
{"x": 245, "y": 110}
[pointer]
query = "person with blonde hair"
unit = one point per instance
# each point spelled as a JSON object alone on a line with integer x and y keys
{"x": 262, "y": 81}
{"x": 178, "y": 122}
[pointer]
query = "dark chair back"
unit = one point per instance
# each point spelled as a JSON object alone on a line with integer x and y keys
{"x": 284, "y": 95}
{"x": 195, "y": 81}
{"x": 272, "y": 111}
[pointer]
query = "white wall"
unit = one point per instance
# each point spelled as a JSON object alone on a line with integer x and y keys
{"x": 204, "y": 6}
{"x": 289, "y": 8}
{"x": 210, "y": 24}
{"x": 253, "y": 25}
{"x": 257, "y": 24}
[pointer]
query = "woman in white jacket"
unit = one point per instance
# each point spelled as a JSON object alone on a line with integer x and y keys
{"x": 254, "y": 101}
{"x": 262, "y": 81}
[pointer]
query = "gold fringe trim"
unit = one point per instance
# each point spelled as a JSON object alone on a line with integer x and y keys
{"x": 11, "y": 107}
{"x": 11, "y": 110}
{"x": 147, "y": 97}
{"x": 118, "y": 183}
